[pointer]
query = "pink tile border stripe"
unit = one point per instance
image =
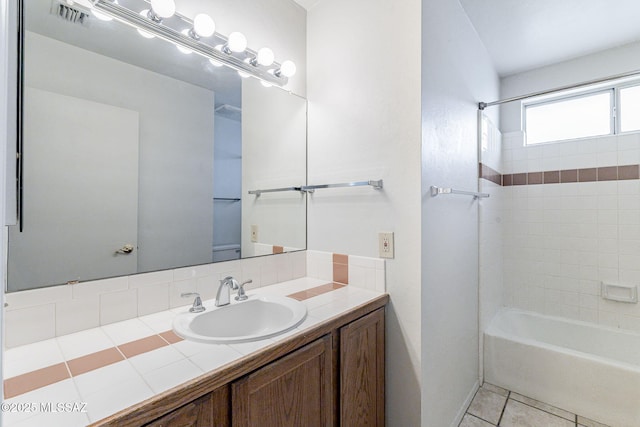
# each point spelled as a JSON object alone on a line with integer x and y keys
{"x": 608, "y": 173}
{"x": 34, "y": 380}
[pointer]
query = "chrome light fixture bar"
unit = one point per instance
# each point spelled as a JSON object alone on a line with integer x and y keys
{"x": 173, "y": 30}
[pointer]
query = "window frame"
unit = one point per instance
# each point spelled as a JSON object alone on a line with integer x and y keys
{"x": 614, "y": 121}
{"x": 618, "y": 88}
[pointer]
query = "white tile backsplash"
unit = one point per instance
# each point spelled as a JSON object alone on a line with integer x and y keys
{"x": 45, "y": 313}
{"x": 30, "y": 324}
{"x": 78, "y": 314}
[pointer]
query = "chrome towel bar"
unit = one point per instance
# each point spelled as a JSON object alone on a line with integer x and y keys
{"x": 435, "y": 191}
{"x": 377, "y": 184}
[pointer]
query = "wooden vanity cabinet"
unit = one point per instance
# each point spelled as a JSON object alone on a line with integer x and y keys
{"x": 362, "y": 371}
{"x": 210, "y": 410}
{"x": 294, "y": 391}
{"x": 337, "y": 379}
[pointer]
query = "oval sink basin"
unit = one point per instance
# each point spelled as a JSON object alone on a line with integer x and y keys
{"x": 259, "y": 317}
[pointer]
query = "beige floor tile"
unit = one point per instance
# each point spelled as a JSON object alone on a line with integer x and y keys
{"x": 585, "y": 422}
{"x": 517, "y": 414}
{"x": 495, "y": 389}
{"x": 487, "y": 405}
{"x": 470, "y": 421}
{"x": 543, "y": 406}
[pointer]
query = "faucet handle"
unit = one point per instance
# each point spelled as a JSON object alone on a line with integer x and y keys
{"x": 197, "y": 306}
{"x": 241, "y": 295}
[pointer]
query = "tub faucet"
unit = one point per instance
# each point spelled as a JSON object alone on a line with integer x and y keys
{"x": 224, "y": 291}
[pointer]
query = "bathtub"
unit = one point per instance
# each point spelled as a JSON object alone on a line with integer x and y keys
{"x": 587, "y": 369}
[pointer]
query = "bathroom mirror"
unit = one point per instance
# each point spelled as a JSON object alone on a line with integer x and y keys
{"x": 139, "y": 157}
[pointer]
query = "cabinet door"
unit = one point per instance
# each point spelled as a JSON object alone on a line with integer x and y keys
{"x": 210, "y": 410}
{"x": 362, "y": 371}
{"x": 293, "y": 391}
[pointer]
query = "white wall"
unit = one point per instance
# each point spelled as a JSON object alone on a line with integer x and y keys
{"x": 274, "y": 154}
{"x": 456, "y": 75}
{"x": 364, "y": 123}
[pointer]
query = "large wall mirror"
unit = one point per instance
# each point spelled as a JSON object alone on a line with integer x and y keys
{"x": 138, "y": 157}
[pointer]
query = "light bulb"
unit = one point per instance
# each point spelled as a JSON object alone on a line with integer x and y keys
{"x": 162, "y": 9}
{"x": 237, "y": 42}
{"x": 265, "y": 84}
{"x": 287, "y": 69}
{"x": 145, "y": 34}
{"x": 243, "y": 74}
{"x": 183, "y": 49}
{"x": 265, "y": 56}
{"x": 203, "y": 25}
{"x": 216, "y": 63}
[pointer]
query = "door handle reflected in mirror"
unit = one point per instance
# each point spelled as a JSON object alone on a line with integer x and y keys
{"x": 126, "y": 249}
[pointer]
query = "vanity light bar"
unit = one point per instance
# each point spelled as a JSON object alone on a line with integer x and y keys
{"x": 170, "y": 30}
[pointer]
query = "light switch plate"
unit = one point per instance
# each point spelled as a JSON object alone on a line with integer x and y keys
{"x": 385, "y": 245}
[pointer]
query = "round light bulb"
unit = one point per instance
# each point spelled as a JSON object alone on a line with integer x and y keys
{"x": 216, "y": 63}
{"x": 145, "y": 34}
{"x": 237, "y": 42}
{"x": 183, "y": 49}
{"x": 163, "y": 8}
{"x": 288, "y": 68}
{"x": 265, "y": 56}
{"x": 243, "y": 74}
{"x": 265, "y": 84}
{"x": 203, "y": 25}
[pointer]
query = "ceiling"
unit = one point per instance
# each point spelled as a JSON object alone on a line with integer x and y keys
{"x": 522, "y": 35}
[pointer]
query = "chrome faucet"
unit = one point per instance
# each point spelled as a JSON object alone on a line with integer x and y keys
{"x": 224, "y": 291}
{"x": 241, "y": 295}
{"x": 197, "y": 306}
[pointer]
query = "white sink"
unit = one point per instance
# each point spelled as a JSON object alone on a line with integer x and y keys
{"x": 259, "y": 317}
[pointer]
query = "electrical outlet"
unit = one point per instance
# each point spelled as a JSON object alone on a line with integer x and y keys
{"x": 385, "y": 245}
{"x": 254, "y": 233}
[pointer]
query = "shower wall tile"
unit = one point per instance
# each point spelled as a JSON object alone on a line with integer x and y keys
{"x": 562, "y": 238}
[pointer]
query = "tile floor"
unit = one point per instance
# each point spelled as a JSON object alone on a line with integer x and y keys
{"x": 494, "y": 406}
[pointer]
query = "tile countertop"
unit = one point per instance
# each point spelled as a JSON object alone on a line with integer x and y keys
{"x": 77, "y": 379}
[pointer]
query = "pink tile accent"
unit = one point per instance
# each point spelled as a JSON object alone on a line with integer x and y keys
{"x": 94, "y": 361}
{"x": 33, "y": 380}
{"x": 534, "y": 178}
{"x": 587, "y": 175}
{"x": 629, "y": 172}
{"x": 608, "y": 174}
{"x": 551, "y": 177}
{"x": 314, "y": 292}
{"x": 519, "y": 179}
{"x": 341, "y": 268}
{"x": 569, "y": 175}
{"x": 171, "y": 337}
{"x": 507, "y": 180}
{"x": 278, "y": 249}
{"x": 143, "y": 345}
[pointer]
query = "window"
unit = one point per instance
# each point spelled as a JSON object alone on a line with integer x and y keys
{"x": 596, "y": 111}
{"x": 570, "y": 118}
{"x": 630, "y": 109}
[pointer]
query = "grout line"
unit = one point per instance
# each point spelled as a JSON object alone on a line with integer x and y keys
{"x": 504, "y": 407}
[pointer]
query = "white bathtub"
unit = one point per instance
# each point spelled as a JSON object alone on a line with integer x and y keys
{"x": 584, "y": 368}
